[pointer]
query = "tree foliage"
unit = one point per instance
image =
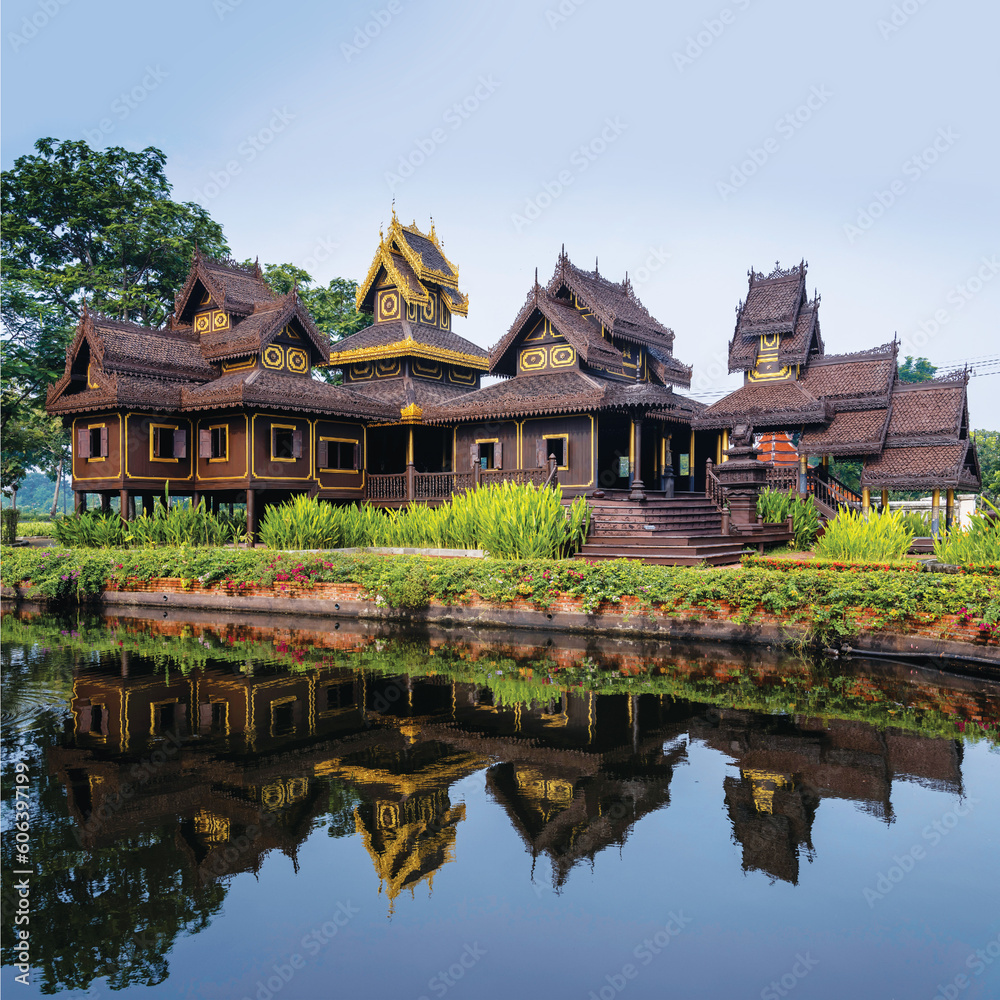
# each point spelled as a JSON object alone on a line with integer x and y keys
{"x": 988, "y": 447}
{"x": 84, "y": 224}
{"x": 916, "y": 370}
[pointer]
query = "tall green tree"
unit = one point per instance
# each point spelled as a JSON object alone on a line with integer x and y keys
{"x": 83, "y": 224}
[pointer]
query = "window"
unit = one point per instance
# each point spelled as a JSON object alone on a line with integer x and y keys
{"x": 337, "y": 453}
{"x": 213, "y": 717}
{"x": 92, "y": 442}
{"x": 213, "y": 443}
{"x": 488, "y": 454}
{"x": 339, "y": 696}
{"x": 167, "y": 443}
{"x": 286, "y": 443}
{"x": 165, "y": 717}
{"x": 283, "y": 713}
{"x": 559, "y": 447}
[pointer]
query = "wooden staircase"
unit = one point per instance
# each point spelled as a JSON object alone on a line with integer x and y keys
{"x": 681, "y": 531}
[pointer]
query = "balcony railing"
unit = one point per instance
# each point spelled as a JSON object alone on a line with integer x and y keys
{"x": 410, "y": 485}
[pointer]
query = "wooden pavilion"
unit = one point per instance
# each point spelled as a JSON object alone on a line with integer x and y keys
{"x": 222, "y": 403}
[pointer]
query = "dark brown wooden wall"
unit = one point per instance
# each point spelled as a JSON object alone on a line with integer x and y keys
{"x": 140, "y": 469}
{"x": 98, "y": 473}
{"x": 235, "y": 468}
{"x": 579, "y": 431}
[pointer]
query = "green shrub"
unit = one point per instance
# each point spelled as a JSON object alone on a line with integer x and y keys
{"x": 181, "y": 524}
{"x": 979, "y": 543}
{"x": 34, "y": 529}
{"x": 881, "y": 537}
{"x": 509, "y": 521}
{"x": 775, "y": 507}
{"x": 918, "y": 523}
{"x": 9, "y": 530}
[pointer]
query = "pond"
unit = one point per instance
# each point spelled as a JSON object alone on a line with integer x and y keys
{"x": 296, "y": 809}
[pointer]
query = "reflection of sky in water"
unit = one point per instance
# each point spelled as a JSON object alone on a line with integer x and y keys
{"x": 449, "y": 841}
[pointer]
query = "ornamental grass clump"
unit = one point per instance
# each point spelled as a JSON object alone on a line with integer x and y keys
{"x": 775, "y": 507}
{"x": 883, "y": 536}
{"x": 508, "y": 520}
{"x": 176, "y": 525}
{"x": 979, "y": 544}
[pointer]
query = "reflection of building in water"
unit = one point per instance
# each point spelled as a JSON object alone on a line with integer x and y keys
{"x": 406, "y": 818}
{"x": 241, "y": 763}
{"x": 788, "y": 765}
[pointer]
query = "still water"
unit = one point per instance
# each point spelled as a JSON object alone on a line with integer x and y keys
{"x": 231, "y": 810}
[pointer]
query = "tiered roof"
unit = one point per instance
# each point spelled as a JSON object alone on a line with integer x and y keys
{"x": 400, "y": 338}
{"x": 615, "y": 312}
{"x": 415, "y": 263}
{"x": 117, "y": 364}
{"x": 586, "y": 310}
{"x": 776, "y": 304}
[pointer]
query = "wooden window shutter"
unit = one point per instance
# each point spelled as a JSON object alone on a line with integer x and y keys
{"x": 205, "y": 443}
{"x": 565, "y": 460}
{"x": 84, "y": 719}
{"x": 297, "y": 443}
{"x": 323, "y": 454}
{"x": 180, "y": 443}
{"x": 104, "y": 442}
{"x": 474, "y": 453}
{"x": 205, "y": 713}
{"x": 498, "y": 456}
{"x": 357, "y": 454}
{"x": 540, "y": 456}
{"x": 82, "y": 442}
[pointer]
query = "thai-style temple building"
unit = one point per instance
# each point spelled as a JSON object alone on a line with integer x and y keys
{"x": 223, "y": 403}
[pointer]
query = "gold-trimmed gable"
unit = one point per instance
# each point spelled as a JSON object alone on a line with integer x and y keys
{"x": 412, "y": 261}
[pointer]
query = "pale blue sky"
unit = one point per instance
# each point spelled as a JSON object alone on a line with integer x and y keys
{"x": 289, "y": 131}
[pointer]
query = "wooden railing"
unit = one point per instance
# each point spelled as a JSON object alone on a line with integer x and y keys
{"x": 782, "y": 478}
{"x": 833, "y": 492}
{"x": 714, "y": 489}
{"x": 537, "y": 477}
{"x": 382, "y": 487}
{"x": 413, "y": 485}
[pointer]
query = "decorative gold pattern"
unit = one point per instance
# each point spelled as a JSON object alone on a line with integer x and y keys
{"x": 411, "y": 414}
{"x": 765, "y": 784}
{"x": 388, "y": 305}
{"x": 298, "y": 360}
{"x": 386, "y": 369}
{"x": 362, "y": 372}
{"x": 428, "y": 312}
{"x": 404, "y": 348}
{"x": 768, "y": 368}
{"x": 428, "y": 370}
{"x": 533, "y": 358}
{"x": 461, "y": 376}
{"x": 273, "y": 356}
{"x": 237, "y": 366}
{"x": 561, "y": 357}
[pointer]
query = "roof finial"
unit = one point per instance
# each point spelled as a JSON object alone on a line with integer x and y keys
{"x": 536, "y": 277}
{"x": 394, "y": 208}
{"x": 597, "y": 270}
{"x": 432, "y": 234}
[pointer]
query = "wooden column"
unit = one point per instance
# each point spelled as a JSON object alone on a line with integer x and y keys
{"x": 949, "y": 511}
{"x": 638, "y": 486}
{"x": 691, "y": 461}
{"x": 725, "y": 446}
{"x": 148, "y": 499}
{"x": 936, "y": 514}
{"x": 125, "y": 503}
{"x": 79, "y": 502}
{"x": 105, "y": 503}
{"x": 803, "y": 476}
{"x": 866, "y": 502}
{"x": 885, "y": 500}
{"x": 252, "y": 516}
{"x": 195, "y": 498}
